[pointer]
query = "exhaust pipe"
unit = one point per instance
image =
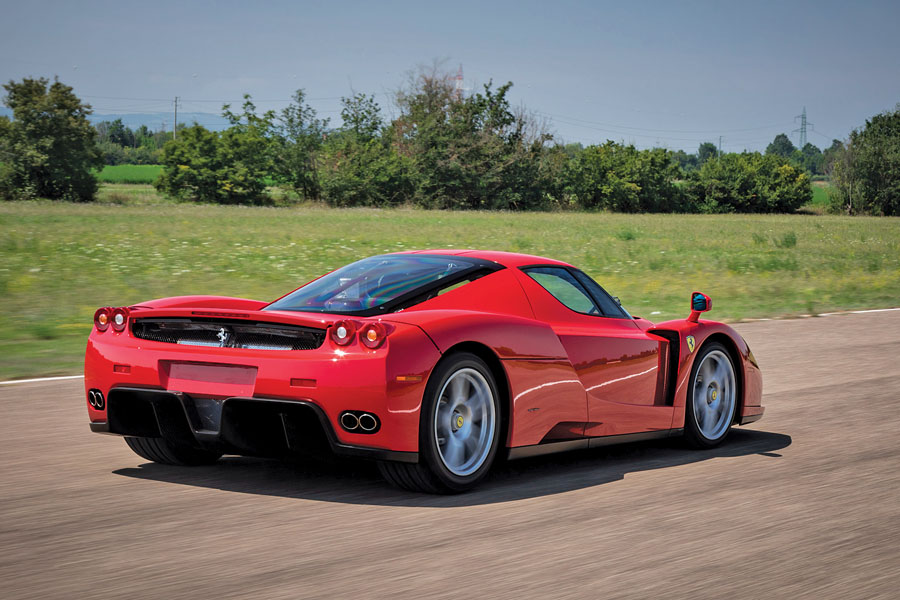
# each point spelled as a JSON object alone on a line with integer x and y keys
{"x": 95, "y": 399}
{"x": 349, "y": 421}
{"x": 367, "y": 422}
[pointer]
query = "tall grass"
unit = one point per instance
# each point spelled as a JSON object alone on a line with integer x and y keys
{"x": 59, "y": 262}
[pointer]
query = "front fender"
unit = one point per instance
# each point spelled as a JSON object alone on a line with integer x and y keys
{"x": 747, "y": 370}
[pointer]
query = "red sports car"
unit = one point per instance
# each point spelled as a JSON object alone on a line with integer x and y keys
{"x": 433, "y": 363}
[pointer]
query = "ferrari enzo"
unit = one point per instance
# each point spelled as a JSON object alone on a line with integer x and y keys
{"x": 434, "y": 363}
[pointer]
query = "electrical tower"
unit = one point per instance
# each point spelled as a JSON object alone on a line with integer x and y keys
{"x": 458, "y": 89}
{"x": 803, "y": 126}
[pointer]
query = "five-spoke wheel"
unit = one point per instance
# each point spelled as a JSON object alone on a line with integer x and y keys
{"x": 712, "y": 397}
{"x": 459, "y": 429}
{"x": 464, "y": 421}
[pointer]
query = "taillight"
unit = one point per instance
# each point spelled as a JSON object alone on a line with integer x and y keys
{"x": 372, "y": 335}
{"x": 119, "y": 318}
{"x": 102, "y": 318}
{"x": 342, "y": 332}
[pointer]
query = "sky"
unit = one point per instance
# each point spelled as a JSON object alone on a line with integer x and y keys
{"x": 670, "y": 74}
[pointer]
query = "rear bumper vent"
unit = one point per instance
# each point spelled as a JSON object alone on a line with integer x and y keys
{"x": 228, "y": 333}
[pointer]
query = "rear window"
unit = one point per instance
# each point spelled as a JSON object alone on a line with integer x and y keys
{"x": 379, "y": 283}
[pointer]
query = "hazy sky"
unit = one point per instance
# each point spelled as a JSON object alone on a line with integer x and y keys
{"x": 652, "y": 73}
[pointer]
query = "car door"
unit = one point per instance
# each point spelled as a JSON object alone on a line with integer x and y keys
{"x": 618, "y": 364}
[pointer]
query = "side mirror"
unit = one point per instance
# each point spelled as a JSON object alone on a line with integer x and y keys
{"x": 700, "y": 303}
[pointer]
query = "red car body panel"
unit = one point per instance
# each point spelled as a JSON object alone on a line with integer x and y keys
{"x": 567, "y": 376}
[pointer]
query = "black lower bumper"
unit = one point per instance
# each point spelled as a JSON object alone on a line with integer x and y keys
{"x": 750, "y": 419}
{"x": 245, "y": 426}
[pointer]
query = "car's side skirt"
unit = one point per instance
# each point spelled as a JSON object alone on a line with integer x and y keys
{"x": 594, "y": 442}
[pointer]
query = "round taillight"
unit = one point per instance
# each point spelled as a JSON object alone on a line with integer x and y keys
{"x": 342, "y": 332}
{"x": 373, "y": 335}
{"x": 102, "y": 318}
{"x": 119, "y": 318}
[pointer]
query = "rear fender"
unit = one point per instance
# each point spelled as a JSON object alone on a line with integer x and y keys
{"x": 547, "y": 400}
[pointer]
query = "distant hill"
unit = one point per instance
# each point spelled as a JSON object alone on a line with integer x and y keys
{"x": 155, "y": 121}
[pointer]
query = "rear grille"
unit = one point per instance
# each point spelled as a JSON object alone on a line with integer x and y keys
{"x": 222, "y": 333}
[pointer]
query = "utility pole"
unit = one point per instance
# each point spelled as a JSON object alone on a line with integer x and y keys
{"x": 175, "y": 129}
{"x": 803, "y": 125}
{"x": 720, "y": 147}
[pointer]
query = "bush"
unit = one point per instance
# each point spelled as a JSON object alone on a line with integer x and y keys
{"x": 363, "y": 173}
{"x": 748, "y": 183}
{"x": 624, "y": 179}
{"x": 228, "y": 167}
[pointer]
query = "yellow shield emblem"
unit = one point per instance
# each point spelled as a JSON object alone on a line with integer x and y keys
{"x": 690, "y": 342}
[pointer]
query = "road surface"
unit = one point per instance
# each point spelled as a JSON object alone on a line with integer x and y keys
{"x": 803, "y": 504}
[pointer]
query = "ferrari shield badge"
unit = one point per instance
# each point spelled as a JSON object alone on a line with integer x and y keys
{"x": 690, "y": 342}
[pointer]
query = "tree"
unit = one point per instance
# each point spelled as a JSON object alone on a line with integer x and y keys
{"x": 781, "y": 146}
{"x": 811, "y": 159}
{"x": 687, "y": 162}
{"x": 470, "y": 151}
{"x": 830, "y": 154}
{"x": 119, "y": 134}
{"x": 869, "y": 171}
{"x": 706, "y": 151}
{"x": 298, "y": 136}
{"x": 361, "y": 116}
{"x": 48, "y": 149}
{"x": 357, "y": 166}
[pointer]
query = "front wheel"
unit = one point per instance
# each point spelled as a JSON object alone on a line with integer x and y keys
{"x": 712, "y": 397}
{"x": 459, "y": 429}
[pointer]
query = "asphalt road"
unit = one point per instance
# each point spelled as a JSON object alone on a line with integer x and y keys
{"x": 803, "y": 504}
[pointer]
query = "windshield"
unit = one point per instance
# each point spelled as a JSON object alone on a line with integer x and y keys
{"x": 372, "y": 285}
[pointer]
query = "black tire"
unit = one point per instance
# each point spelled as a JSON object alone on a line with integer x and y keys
{"x": 431, "y": 475}
{"x": 693, "y": 431}
{"x": 160, "y": 451}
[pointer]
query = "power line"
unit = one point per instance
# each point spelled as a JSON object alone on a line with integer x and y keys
{"x": 696, "y": 131}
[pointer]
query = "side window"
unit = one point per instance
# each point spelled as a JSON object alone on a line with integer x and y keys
{"x": 609, "y": 306}
{"x": 563, "y": 286}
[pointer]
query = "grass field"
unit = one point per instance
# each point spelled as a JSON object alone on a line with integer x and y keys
{"x": 129, "y": 173}
{"x": 61, "y": 261}
{"x": 820, "y": 200}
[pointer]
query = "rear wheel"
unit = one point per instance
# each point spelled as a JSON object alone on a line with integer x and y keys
{"x": 459, "y": 429}
{"x": 712, "y": 397}
{"x": 160, "y": 451}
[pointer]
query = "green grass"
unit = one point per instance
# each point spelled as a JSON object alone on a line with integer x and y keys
{"x": 820, "y": 201}
{"x": 59, "y": 261}
{"x": 129, "y": 173}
